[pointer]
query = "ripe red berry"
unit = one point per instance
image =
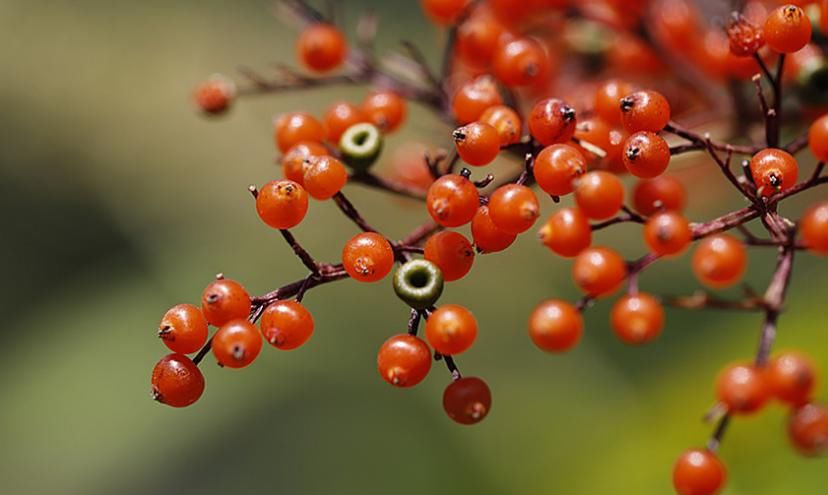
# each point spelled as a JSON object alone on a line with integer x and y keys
{"x": 607, "y": 101}
{"x": 177, "y": 381}
{"x": 477, "y": 144}
{"x": 224, "y": 300}
{"x": 599, "y": 194}
{"x": 808, "y": 429}
{"x": 215, "y": 95}
{"x": 324, "y": 176}
{"x": 478, "y": 37}
{"x": 555, "y": 325}
{"x": 556, "y": 167}
{"x": 664, "y": 192}
{"x": 792, "y": 378}
{"x": 818, "y": 138}
{"x": 282, "y": 204}
{"x": 488, "y": 237}
{"x": 444, "y": 12}
{"x": 385, "y": 109}
{"x": 646, "y": 154}
{"x": 814, "y": 228}
{"x": 719, "y": 261}
{"x": 404, "y": 360}
{"x": 296, "y": 127}
{"x": 474, "y": 98}
{"x": 514, "y": 208}
{"x": 787, "y": 29}
{"x": 451, "y": 329}
{"x": 552, "y": 121}
{"x": 339, "y": 117}
{"x": 368, "y": 257}
{"x": 293, "y": 161}
{"x": 667, "y": 233}
{"x": 699, "y": 472}
{"x": 637, "y": 319}
{"x": 467, "y": 400}
{"x": 505, "y": 121}
{"x": 742, "y": 388}
{"x": 521, "y": 62}
{"x": 451, "y": 252}
{"x": 773, "y": 170}
{"x": 644, "y": 111}
{"x": 321, "y": 47}
{"x": 237, "y": 344}
{"x": 594, "y": 131}
{"x": 599, "y": 271}
{"x": 286, "y": 325}
{"x": 452, "y": 200}
{"x": 567, "y": 232}
{"x": 745, "y": 37}
{"x": 183, "y": 329}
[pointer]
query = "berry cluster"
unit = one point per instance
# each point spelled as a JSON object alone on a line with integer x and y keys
{"x": 496, "y": 76}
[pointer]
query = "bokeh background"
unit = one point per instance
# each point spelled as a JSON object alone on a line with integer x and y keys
{"x": 118, "y": 201}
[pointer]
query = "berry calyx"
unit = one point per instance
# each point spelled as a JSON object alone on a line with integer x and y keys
{"x": 361, "y": 145}
{"x": 787, "y": 29}
{"x": 773, "y": 170}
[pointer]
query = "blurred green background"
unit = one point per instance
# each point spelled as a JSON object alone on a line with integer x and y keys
{"x": 119, "y": 200}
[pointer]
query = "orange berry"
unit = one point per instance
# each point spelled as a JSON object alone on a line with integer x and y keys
{"x": 599, "y": 271}
{"x": 719, "y": 261}
{"x": 555, "y": 325}
{"x": 293, "y": 128}
{"x": 321, "y": 47}
{"x": 282, "y": 204}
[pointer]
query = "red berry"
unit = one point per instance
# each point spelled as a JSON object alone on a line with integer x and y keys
{"x": 488, "y": 237}
{"x": 808, "y": 429}
{"x": 215, "y": 95}
{"x": 818, "y": 138}
{"x": 452, "y": 200}
{"x": 339, "y": 117}
{"x": 505, "y": 121}
{"x": 556, "y": 167}
{"x": 282, "y": 204}
{"x": 521, "y": 62}
{"x": 368, "y": 257}
{"x": 667, "y": 233}
{"x": 286, "y": 325}
{"x": 567, "y": 232}
{"x": 814, "y": 228}
{"x": 444, "y": 12}
{"x": 324, "y": 176}
{"x": 385, "y": 109}
{"x": 745, "y": 37}
{"x": 599, "y": 194}
{"x": 599, "y": 271}
{"x": 552, "y": 121}
{"x": 787, "y": 29}
{"x": 177, "y": 381}
{"x": 183, "y": 329}
{"x": 477, "y": 144}
{"x": 451, "y": 329}
{"x": 237, "y": 344}
{"x": 555, "y": 325}
{"x": 773, "y": 170}
{"x": 699, "y": 472}
{"x": 293, "y": 128}
{"x": 514, "y": 208}
{"x": 742, "y": 388}
{"x": 467, "y": 400}
{"x": 321, "y": 47}
{"x": 719, "y": 261}
{"x": 646, "y": 154}
{"x": 224, "y": 300}
{"x": 664, "y": 192}
{"x": 478, "y": 38}
{"x": 607, "y": 102}
{"x": 293, "y": 161}
{"x": 404, "y": 360}
{"x": 792, "y": 378}
{"x": 644, "y": 111}
{"x": 451, "y": 252}
{"x": 474, "y": 98}
{"x": 637, "y": 319}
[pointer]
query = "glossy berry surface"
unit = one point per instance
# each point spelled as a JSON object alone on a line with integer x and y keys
{"x": 521, "y": 62}
{"x": 324, "y": 177}
{"x": 773, "y": 171}
{"x": 607, "y": 100}
{"x": 719, "y": 261}
{"x": 814, "y": 228}
{"x": 368, "y": 257}
{"x": 385, "y": 109}
{"x": 514, "y": 208}
{"x": 637, "y": 319}
{"x": 404, "y": 360}
{"x": 474, "y": 98}
{"x": 488, "y": 237}
{"x": 237, "y": 344}
{"x": 787, "y": 29}
{"x": 295, "y": 159}
{"x": 443, "y": 12}
{"x": 818, "y": 138}
{"x": 505, "y": 121}
{"x": 224, "y": 300}
{"x": 644, "y": 111}
{"x": 567, "y": 232}
{"x": 808, "y": 429}
{"x": 699, "y": 472}
{"x": 664, "y": 192}
{"x": 552, "y": 121}
{"x": 646, "y": 155}
{"x": 599, "y": 195}
{"x": 742, "y": 388}
{"x": 295, "y": 127}
{"x": 321, "y": 47}
{"x": 286, "y": 325}
{"x": 451, "y": 329}
{"x": 451, "y": 252}
{"x": 792, "y": 378}
{"x": 183, "y": 329}
{"x": 555, "y": 325}
{"x": 557, "y": 166}
{"x": 667, "y": 233}
{"x": 177, "y": 381}
{"x": 452, "y": 200}
{"x": 339, "y": 117}
{"x": 477, "y": 144}
{"x": 282, "y": 204}
{"x": 467, "y": 400}
{"x": 418, "y": 283}
{"x": 478, "y": 37}
{"x": 599, "y": 271}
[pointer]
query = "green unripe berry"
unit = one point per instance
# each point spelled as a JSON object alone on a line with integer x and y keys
{"x": 360, "y": 145}
{"x": 419, "y": 283}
